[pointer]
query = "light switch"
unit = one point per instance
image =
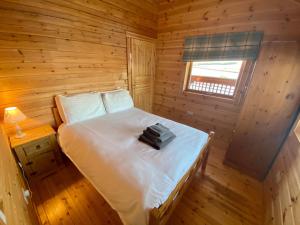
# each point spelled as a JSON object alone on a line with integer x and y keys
{"x": 278, "y": 177}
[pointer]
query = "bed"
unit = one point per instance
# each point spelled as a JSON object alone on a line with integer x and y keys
{"x": 142, "y": 184}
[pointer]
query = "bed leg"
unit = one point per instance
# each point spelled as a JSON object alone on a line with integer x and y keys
{"x": 204, "y": 163}
{"x": 153, "y": 220}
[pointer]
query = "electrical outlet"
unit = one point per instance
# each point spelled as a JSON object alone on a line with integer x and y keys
{"x": 2, "y": 215}
{"x": 26, "y": 195}
{"x": 190, "y": 113}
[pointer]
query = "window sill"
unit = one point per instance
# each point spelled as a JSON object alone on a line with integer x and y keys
{"x": 230, "y": 100}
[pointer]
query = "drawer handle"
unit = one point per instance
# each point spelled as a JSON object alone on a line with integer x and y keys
{"x": 38, "y": 147}
{"x": 29, "y": 163}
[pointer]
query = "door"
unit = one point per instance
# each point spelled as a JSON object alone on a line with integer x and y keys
{"x": 141, "y": 70}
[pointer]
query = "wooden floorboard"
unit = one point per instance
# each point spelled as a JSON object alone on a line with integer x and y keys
{"x": 223, "y": 197}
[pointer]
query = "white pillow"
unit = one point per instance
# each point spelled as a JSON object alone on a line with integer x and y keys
{"x": 79, "y": 107}
{"x": 116, "y": 101}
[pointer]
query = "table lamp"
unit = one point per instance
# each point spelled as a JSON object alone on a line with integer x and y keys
{"x": 13, "y": 115}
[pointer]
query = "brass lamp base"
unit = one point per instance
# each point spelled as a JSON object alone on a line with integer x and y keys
{"x": 19, "y": 132}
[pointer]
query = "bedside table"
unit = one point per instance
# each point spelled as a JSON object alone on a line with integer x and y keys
{"x": 38, "y": 151}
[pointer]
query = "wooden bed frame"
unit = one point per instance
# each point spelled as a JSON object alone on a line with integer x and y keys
{"x": 161, "y": 214}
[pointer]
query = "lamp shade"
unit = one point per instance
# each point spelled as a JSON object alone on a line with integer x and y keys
{"x": 13, "y": 115}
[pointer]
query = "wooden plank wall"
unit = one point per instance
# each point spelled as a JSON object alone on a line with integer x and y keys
{"x": 282, "y": 185}
{"x": 179, "y": 18}
{"x": 54, "y": 47}
{"x": 269, "y": 110}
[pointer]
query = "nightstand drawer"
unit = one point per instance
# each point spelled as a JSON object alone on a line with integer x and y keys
{"x": 37, "y": 147}
{"x": 42, "y": 163}
{"x": 38, "y": 152}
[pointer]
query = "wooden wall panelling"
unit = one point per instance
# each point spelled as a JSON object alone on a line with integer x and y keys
{"x": 272, "y": 101}
{"x": 215, "y": 16}
{"x": 282, "y": 185}
{"x": 12, "y": 184}
{"x": 180, "y": 18}
{"x": 55, "y": 47}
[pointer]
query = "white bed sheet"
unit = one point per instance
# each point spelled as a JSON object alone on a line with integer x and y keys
{"x": 132, "y": 176}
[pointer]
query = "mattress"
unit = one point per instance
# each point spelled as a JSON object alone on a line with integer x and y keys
{"x": 132, "y": 176}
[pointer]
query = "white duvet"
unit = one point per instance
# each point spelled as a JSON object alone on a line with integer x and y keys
{"x": 132, "y": 176}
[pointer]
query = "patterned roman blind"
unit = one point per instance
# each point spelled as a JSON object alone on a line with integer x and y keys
{"x": 227, "y": 46}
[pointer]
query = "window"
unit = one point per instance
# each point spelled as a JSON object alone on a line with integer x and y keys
{"x": 220, "y": 65}
{"x": 220, "y": 78}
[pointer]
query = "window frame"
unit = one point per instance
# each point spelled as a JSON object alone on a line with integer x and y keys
{"x": 241, "y": 86}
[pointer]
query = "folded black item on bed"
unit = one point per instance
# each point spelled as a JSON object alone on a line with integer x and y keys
{"x": 158, "y": 129}
{"x": 155, "y": 144}
{"x": 155, "y": 138}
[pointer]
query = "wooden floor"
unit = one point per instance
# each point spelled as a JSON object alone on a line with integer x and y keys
{"x": 223, "y": 197}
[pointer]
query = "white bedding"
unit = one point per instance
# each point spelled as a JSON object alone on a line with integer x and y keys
{"x": 132, "y": 176}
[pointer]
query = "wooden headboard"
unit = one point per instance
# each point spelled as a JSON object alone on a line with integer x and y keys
{"x": 57, "y": 118}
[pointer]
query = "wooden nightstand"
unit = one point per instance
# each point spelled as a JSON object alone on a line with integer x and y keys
{"x": 38, "y": 151}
